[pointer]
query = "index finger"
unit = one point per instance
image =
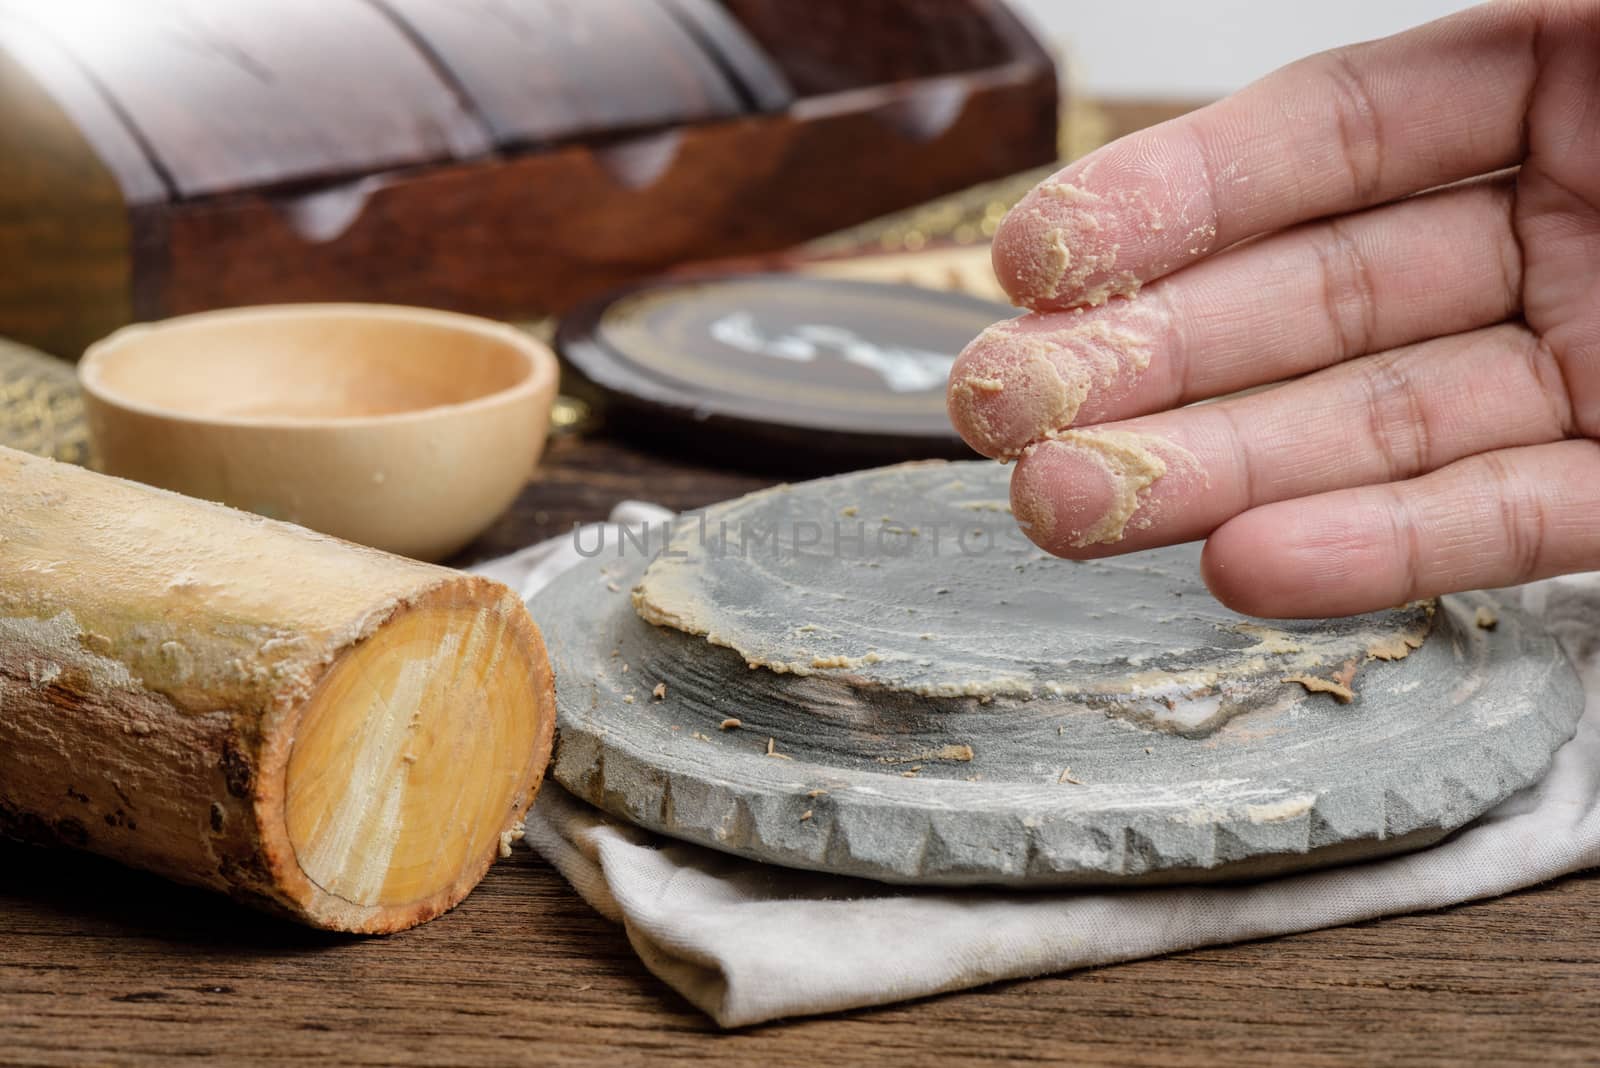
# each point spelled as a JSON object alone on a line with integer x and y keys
{"x": 1338, "y": 131}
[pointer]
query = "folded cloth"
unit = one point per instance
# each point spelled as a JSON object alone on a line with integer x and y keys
{"x": 749, "y": 942}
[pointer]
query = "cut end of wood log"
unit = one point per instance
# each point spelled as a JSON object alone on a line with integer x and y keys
{"x": 314, "y": 727}
{"x": 418, "y": 750}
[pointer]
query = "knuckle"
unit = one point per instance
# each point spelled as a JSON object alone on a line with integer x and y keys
{"x": 1397, "y": 421}
{"x": 1405, "y": 535}
{"x": 1357, "y": 122}
{"x": 1567, "y": 378}
{"x": 1510, "y": 256}
{"x": 1349, "y": 293}
{"x": 1549, "y": 381}
{"x": 1246, "y": 473}
{"x": 1524, "y": 518}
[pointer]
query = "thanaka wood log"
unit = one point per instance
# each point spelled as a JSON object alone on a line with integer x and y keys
{"x": 323, "y": 730}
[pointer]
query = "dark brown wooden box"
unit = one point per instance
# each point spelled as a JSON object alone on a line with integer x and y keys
{"x": 505, "y": 157}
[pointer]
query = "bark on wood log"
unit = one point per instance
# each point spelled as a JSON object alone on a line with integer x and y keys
{"x": 314, "y": 727}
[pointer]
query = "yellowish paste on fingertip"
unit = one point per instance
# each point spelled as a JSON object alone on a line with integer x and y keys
{"x": 1132, "y": 463}
{"x": 1130, "y": 466}
{"x": 1047, "y": 394}
{"x": 1052, "y": 372}
{"x": 1073, "y": 259}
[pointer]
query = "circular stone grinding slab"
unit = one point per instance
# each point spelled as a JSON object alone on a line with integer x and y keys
{"x": 877, "y": 675}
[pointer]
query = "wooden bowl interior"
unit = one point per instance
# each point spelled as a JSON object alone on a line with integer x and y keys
{"x": 308, "y": 366}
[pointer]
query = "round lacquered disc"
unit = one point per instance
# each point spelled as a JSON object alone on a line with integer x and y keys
{"x": 817, "y": 372}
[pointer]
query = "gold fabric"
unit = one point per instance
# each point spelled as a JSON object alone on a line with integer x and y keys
{"x": 41, "y": 410}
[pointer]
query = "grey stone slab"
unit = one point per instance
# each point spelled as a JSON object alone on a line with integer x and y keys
{"x": 923, "y": 712}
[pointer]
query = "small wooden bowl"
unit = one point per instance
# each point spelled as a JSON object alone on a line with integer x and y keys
{"x": 401, "y": 428}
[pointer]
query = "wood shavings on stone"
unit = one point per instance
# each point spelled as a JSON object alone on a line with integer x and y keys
{"x": 1289, "y": 808}
{"x": 1340, "y": 692}
{"x": 845, "y": 662}
{"x": 1395, "y": 647}
{"x": 960, "y": 753}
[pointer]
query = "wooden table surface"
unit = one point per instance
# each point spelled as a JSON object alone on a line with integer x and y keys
{"x": 103, "y": 965}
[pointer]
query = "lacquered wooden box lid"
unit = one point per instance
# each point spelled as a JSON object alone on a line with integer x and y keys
{"x": 241, "y": 95}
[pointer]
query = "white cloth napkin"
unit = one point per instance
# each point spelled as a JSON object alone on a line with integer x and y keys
{"x": 749, "y": 942}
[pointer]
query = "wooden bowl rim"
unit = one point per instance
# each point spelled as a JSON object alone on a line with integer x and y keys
{"x": 540, "y": 364}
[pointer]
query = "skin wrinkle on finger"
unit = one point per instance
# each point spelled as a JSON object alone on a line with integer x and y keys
{"x": 1522, "y": 512}
{"x": 1349, "y": 293}
{"x": 1359, "y": 121}
{"x": 1024, "y": 378}
{"x": 1396, "y": 419}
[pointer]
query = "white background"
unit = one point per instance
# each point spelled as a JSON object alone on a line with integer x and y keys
{"x": 1205, "y": 48}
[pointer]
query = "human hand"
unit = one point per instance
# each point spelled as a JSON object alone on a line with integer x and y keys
{"x": 1444, "y": 435}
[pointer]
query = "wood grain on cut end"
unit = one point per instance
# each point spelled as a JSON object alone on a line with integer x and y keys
{"x": 420, "y": 748}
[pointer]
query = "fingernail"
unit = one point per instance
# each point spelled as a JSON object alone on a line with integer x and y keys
{"x": 1088, "y": 487}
